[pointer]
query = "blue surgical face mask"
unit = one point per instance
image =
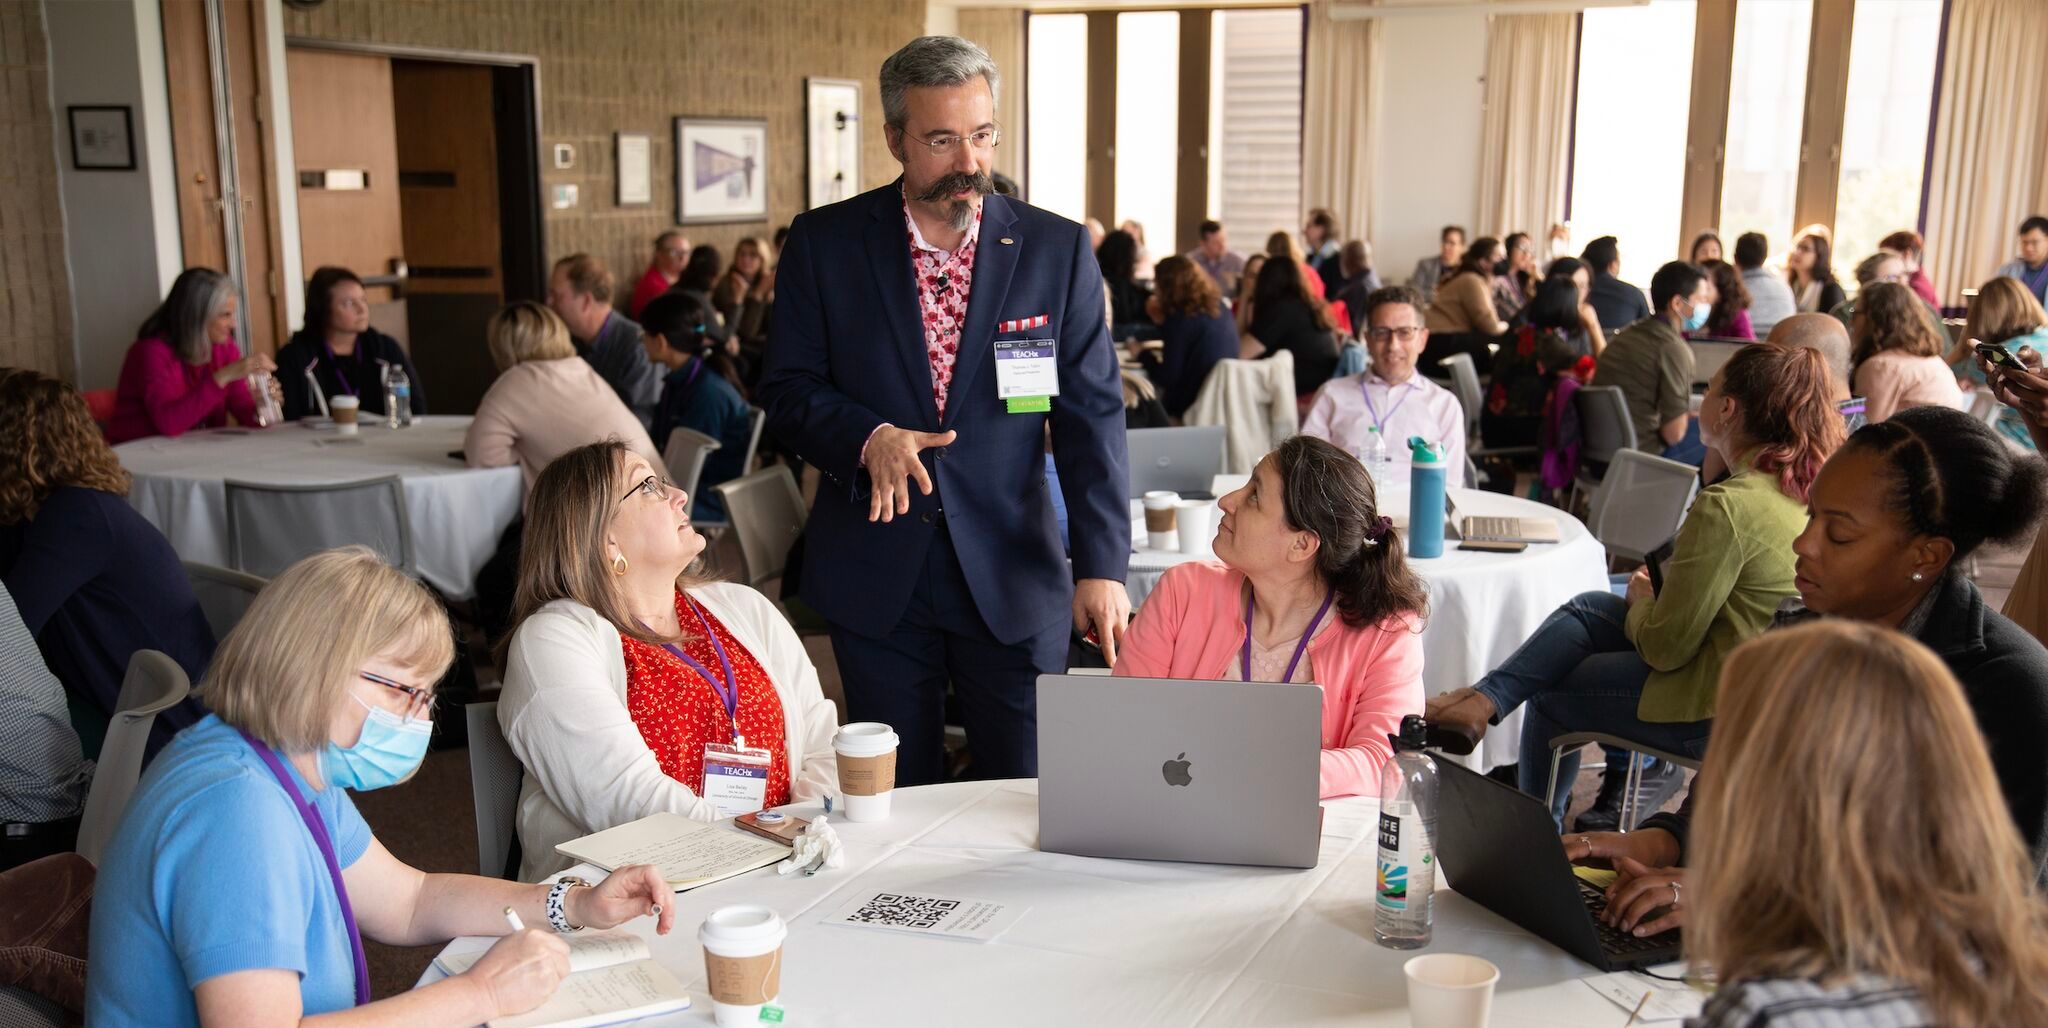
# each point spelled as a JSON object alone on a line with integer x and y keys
{"x": 1698, "y": 319}
{"x": 388, "y": 752}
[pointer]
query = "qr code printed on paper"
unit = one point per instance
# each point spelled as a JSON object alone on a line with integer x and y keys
{"x": 890, "y": 910}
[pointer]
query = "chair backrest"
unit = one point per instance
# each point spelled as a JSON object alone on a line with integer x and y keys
{"x": 1254, "y": 401}
{"x": 1465, "y": 384}
{"x": 1984, "y": 406}
{"x": 1640, "y": 503}
{"x": 766, "y": 511}
{"x": 224, "y": 594}
{"x": 1604, "y": 427}
{"x": 494, "y": 779}
{"x": 100, "y": 402}
{"x": 753, "y": 439}
{"x": 154, "y": 684}
{"x": 687, "y": 449}
{"x": 270, "y": 527}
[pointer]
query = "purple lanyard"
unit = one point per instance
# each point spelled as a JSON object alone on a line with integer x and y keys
{"x": 698, "y": 369}
{"x": 320, "y": 839}
{"x": 729, "y": 693}
{"x": 1299, "y": 648}
{"x": 1377, "y": 421}
{"x": 334, "y": 362}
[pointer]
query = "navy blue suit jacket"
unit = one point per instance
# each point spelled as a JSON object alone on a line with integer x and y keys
{"x": 848, "y": 355}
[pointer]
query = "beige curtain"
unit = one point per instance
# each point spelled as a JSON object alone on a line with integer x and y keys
{"x": 1339, "y": 128}
{"x": 1990, "y": 139}
{"x": 1001, "y": 33}
{"x": 1528, "y": 123}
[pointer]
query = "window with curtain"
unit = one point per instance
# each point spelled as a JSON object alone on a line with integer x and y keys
{"x": 1056, "y": 95}
{"x": 1255, "y": 125}
{"x": 1628, "y": 156}
{"x": 1766, "y": 108}
{"x": 1884, "y": 123}
{"x": 1147, "y": 125}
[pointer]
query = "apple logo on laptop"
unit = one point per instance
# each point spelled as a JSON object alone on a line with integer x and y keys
{"x": 1176, "y": 770}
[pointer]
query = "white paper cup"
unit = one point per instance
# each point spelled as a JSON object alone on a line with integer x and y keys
{"x": 1450, "y": 990}
{"x": 867, "y": 769}
{"x": 742, "y": 962}
{"x": 1195, "y": 525}
{"x": 344, "y": 410}
{"x": 1161, "y": 506}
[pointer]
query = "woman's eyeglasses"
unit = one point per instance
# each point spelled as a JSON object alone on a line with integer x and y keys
{"x": 420, "y": 702}
{"x": 654, "y": 486}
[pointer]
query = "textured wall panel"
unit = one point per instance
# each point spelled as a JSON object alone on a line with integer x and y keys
{"x": 35, "y": 284}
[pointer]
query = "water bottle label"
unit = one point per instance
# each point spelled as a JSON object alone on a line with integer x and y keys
{"x": 1407, "y": 872}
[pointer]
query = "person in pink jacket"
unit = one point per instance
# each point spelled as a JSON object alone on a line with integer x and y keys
{"x": 184, "y": 370}
{"x": 1311, "y": 586}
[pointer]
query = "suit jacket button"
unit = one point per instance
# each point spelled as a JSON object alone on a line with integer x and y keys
{"x": 925, "y": 517}
{"x": 939, "y": 454}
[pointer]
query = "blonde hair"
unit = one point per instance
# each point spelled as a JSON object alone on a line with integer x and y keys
{"x": 1849, "y": 823}
{"x": 2003, "y": 310}
{"x": 1282, "y": 244}
{"x": 292, "y": 660}
{"x": 527, "y": 331}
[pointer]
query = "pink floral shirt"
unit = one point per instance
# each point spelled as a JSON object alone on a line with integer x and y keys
{"x": 944, "y": 281}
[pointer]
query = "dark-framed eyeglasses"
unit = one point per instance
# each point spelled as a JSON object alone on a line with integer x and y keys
{"x": 420, "y": 702}
{"x": 1405, "y": 333}
{"x": 654, "y": 486}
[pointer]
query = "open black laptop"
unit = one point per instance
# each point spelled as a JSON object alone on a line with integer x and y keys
{"x": 1498, "y": 846}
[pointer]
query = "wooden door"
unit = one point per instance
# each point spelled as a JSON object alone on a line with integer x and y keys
{"x": 345, "y": 143}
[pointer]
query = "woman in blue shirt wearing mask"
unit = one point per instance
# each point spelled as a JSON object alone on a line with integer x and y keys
{"x": 241, "y": 881}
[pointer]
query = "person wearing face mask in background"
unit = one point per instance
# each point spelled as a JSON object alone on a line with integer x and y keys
{"x": 1653, "y": 367}
{"x": 241, "y": 880}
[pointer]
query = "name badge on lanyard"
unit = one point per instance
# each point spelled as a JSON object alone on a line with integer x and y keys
{"x": 735, "y": 775}
{"x": 1027, "y": 374}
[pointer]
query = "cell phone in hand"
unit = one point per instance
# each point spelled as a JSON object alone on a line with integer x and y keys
{"x": 1654, "y": 561}
{"x": 1999, "y": 357}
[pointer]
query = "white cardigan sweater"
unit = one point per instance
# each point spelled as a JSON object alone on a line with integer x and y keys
{"x": 563, "y": 709}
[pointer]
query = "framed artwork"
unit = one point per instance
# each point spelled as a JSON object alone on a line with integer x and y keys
{"x": 832, "y": 140}
{"x": 102, "y": 138}
{"x": 721, "y": 170}
{"x": 633, "y": 159}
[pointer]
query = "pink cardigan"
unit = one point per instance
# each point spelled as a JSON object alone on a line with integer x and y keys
{"x": 1193, "y": 624}
{"x": 159, "y": 394}
{"x": 539, "y": 410}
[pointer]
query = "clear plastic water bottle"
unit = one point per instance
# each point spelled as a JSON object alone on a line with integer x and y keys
{"x": 397, "y": 397}
{"x": 1379, "y": 461}
{"x": 267, "y": 413}
{"x": 1407, "y": 843}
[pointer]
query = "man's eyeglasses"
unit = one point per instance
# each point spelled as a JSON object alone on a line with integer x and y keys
{"x": 674, "y": 251}
{"x": 948, "y": 145}
{"x": 1406, "y": 333}
{"x": 420, "y": 702}
{"x": 654, "y": 486}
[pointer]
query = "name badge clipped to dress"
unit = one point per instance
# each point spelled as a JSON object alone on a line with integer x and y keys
{"x": 1027, "y": 374}
{"x": 735, "y": 777}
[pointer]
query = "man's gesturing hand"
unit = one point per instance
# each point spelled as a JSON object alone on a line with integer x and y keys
{"x": 891, "y": 457}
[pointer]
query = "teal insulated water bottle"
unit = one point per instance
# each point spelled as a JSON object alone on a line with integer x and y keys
{"x": 1425, "y": 499}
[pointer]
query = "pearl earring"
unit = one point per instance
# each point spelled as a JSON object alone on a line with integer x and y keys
{"x": 1917, "y": 576}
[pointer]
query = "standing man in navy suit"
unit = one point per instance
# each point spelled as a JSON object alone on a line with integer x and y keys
{"x": 925, "y": 335}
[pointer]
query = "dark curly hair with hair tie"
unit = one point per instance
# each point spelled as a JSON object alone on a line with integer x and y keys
{"x": 1328, "y": 492}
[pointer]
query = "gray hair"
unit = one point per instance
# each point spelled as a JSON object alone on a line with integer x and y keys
{"x": 194, "y": 299}
{"x": 933, "y": 61}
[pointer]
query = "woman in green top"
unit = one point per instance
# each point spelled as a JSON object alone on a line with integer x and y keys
{"x": 1644, "y": 668}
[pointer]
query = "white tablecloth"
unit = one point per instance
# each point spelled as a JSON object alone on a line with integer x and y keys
{"x": 1481, "y": 605}
{"x": 1107, "y": 942}
{"x": 457, "y": 512}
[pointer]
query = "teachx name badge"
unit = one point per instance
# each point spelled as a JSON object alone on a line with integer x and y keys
{"x": 1026, "y": 368}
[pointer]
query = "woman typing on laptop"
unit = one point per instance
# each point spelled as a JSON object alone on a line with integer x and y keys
{"x": 1311, "y": 586}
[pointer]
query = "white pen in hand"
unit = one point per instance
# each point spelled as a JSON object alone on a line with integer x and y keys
{"x": 512, "y": 918}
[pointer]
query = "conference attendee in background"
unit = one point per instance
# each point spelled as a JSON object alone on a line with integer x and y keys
{"x": 1247, "y": 284}
{"x": 44, "y": 773}
{"x": 94, "y": 581}
{"x": 345, "y": 354}
{"x": 1515, "y": 276}
{"x": 1118, "y": 259}
{"x": 2005, "y": 315}
{"x": 623, "y": 667}
{"x": 1705, "y": 247}
{"x": 1321, "y": 245}
{"x": 1558, "y": 244}
{"x": 184, "y": 370}
{"x": 700, "y": 391}
{"x": 1575, "y": 271}
{"x": 1390, "y": 397}
{"x": 1897, "y": 785}
{"x": 1196, "y": 333}
{"x": 1281, "y": 244}
{"x": 700, "y": 278}
{"x": 1464, "y": 302}
{"x": 242, "y": 880}
{"x": 1144, "y": 260}
{"x": 546, "y": 400}
{"x": 1309, "y": 584}
{"x": 1430, "y": 272}
{"x": 1358, "y": 282}
{"x": 1811, "y": 276}
{"x": 580, "y": 293}
{"x": 743, "y": 297}
{"x": 1653, "y": 367}
{"x": 1288, "y": 316}
{"x": 1645, "y": 667}
{"x": 1729, "y": 318}
{"x": 671, "y": 252}
{"x": 1619, "y": 304}
{"x": 1897, "y": 354}
{"x": 2031, "y": 266}
{"x": 931, "y": 549}
{"x": 1214, "y": 256}
{"x": 1770, "y": 297}
{"x": 1828, "y": 337}
{"x": 1885, "y": 543}
{"x": 1095, "y": 232}
{"x": 1912, "y": 251}
{"x": 1550, "y": 341}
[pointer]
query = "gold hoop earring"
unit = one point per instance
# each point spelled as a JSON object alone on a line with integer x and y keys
{"x": 619, "y": 565}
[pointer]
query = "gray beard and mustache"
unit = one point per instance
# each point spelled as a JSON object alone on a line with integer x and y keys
{"x": 959, "y": 213}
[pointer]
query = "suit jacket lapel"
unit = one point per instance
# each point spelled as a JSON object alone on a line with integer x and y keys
{"x": 995, "y": 260}
{"x": 888, "y": 243}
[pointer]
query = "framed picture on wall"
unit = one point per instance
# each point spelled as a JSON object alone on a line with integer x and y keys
{"x": 832, "y": 140}
{"x": 721, "y": 170}
{"x": 102, "y": 138}
{"x": 633, "y": 159}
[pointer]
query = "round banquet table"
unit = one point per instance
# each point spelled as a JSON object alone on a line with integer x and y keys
{"x": 1105, "y": 942}
{"x": 1481, "y": 605}
{"x": 457, "y": 512}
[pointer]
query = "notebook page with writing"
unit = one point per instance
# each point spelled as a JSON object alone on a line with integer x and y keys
{"x": 688, "y": 853}
{"x": 588, "y": 951}
{"x": 621, "y": 992}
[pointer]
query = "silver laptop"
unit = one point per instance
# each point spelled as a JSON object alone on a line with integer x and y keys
{"x": 1183, "y": 460}
{"x": 1158, "y": 769}
{"x": 1486, "y": 528}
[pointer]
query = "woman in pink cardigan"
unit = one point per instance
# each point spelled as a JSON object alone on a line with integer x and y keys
{"x": 1312, "y": 586}
{"x": 184, "y": 370}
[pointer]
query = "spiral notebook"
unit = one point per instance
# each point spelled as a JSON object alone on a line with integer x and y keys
{"x": 612, "y": 979}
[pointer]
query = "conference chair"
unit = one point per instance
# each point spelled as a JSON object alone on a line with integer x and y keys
{"x": 1640, "y": 503}
{"x": 271, "y": 527}
{"x": 1984, "y": 406}
{"x": 1254, "y": 402}
{"x": 1604, "y": 430}
{"x": 494, "y": 779}
{"x": 766, "y": 512}
{"x": 1615, "y": 744}
{"x": 154, "y": 683}
{"x": 753, "y": 439}
{"x": 224, "y": 594}
{"x": 685, "y": 455}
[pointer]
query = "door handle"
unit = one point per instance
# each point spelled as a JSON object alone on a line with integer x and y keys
{"x": 400, "y": 271}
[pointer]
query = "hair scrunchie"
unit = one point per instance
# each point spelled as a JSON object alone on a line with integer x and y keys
{"x": 1377, "y": 530}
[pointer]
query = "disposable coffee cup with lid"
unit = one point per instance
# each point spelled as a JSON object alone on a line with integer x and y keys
{"x": 742, "y": 962}
{"x": 344, "y": 410}
{"x": 867, "y": 769}
{"x": 1160, "y": 507}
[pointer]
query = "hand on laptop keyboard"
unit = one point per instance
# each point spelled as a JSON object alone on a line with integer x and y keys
{"x": 1645, "y": 901}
